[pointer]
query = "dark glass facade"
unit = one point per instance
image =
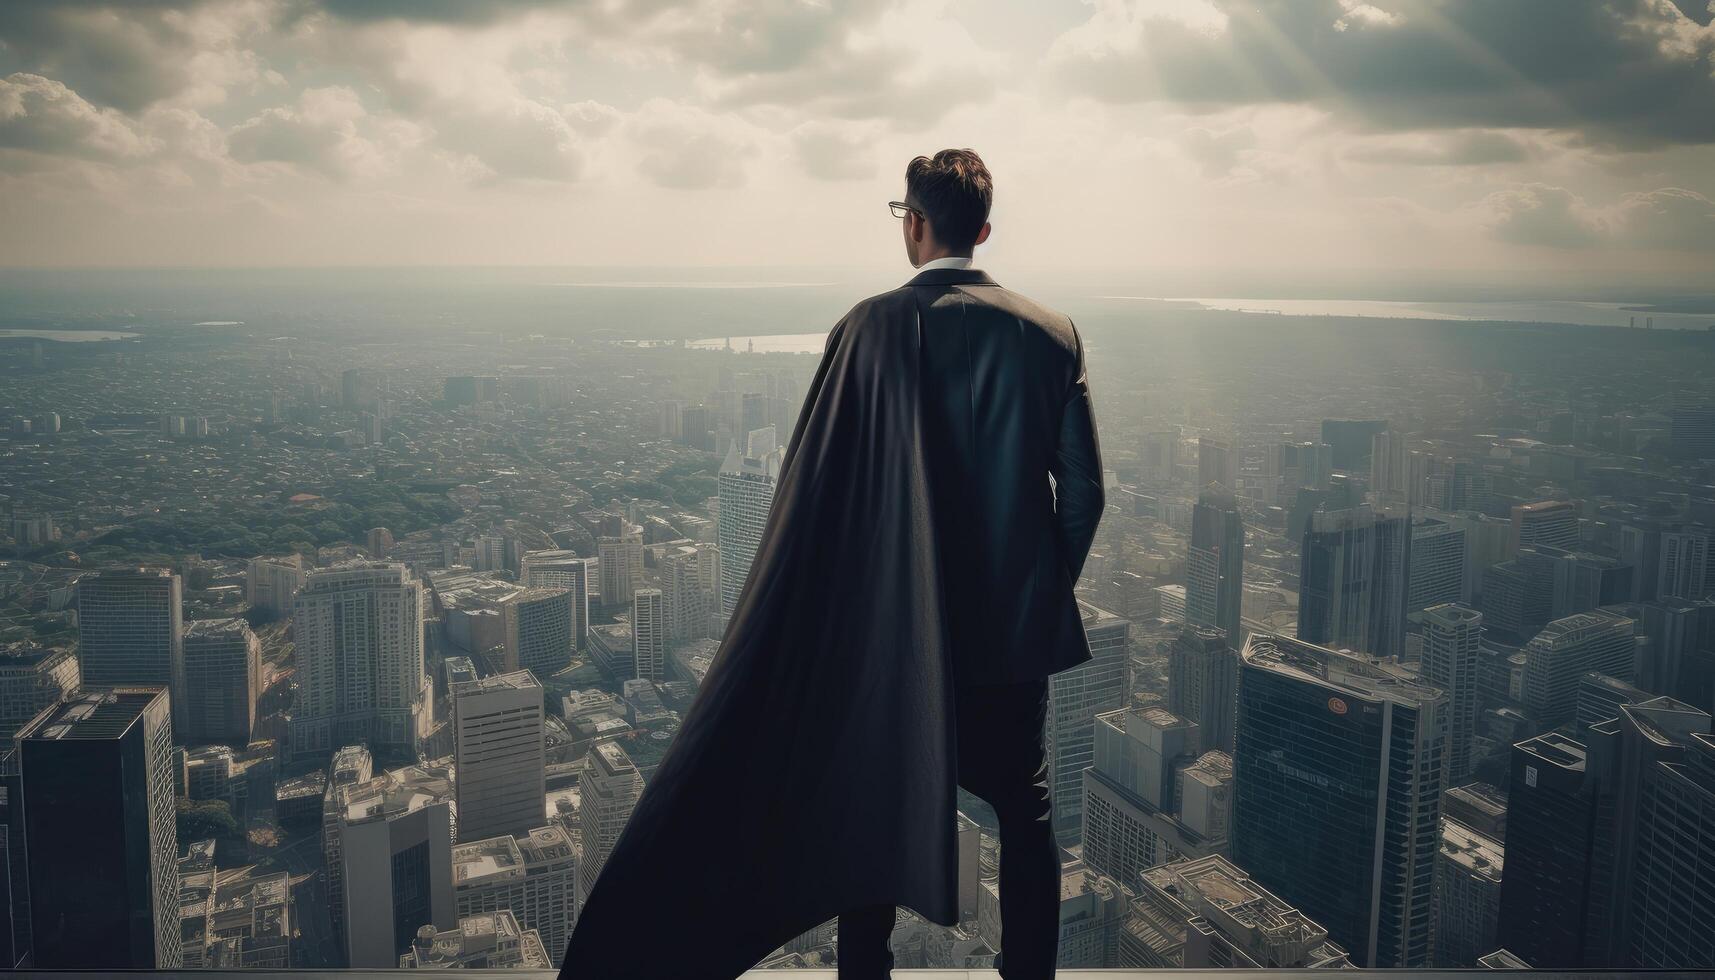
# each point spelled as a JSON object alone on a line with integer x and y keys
{"x": 1551, "y": 820}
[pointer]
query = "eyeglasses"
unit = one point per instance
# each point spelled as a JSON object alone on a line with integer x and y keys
{"x": 900, "y": 209}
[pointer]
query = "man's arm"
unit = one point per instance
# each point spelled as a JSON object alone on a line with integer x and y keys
{"x": 1077, "y": 469}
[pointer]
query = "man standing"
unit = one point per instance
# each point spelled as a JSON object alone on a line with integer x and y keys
{"x": 911, "y": 594}
{"x": 1005, "y": 404}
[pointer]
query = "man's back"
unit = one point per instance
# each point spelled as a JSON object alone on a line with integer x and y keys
{"x": 1005, "y": 405}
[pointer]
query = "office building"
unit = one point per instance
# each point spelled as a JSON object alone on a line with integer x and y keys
{"x": 1673, "y": 888}
{"x": 1551, "y": 826}
{"x": 539, "y": 624}
{"x": 499, "y": 755}
{"x": 563, "y": 570}
{"x": 1437, "y": 572}
{"x": 1203, "y": 683}
{"x": 1207, "y": 913}
{"x": 1129, "y": 807}
{"x": 471, "y": 390}
{"x": 1468, "y": 872}
{"x": 1600, "y": 697}
{"x": 32, "y": 678}
{"x": 485, "y": 941}
{"x": 100, "y": 833}
{"x": 687, "y": 599}
{"x": 359, "y": 654}
{"x": 621, "y": 565}
{"x": 1350, "y": 440}
{"x": 1338, "y": 774}
{"x": 1215, "y": 563}
{"x": 745, "y": 493}
{"x": 1387, "y": 463}
{"x": 608, "y": 790}
{"x": 1567, "y": 649}
{"x": 1550, "y": 522}
{"x": 1452, "y": 638}
{"x": 1479, "y": 806}
{"x": 533, "y": 875}
{"x": 223, "y": 677}
{"x": 649, "y": 635}
{"x": 1217, "y": 463}
{"x": 270, "y": 583}
{"x": 1684, "y": 569}
{"x": 1075, "y": 697}
{"x": 130, "y": 627}
{"x": 392, "y": 836}
{"x": 1353, "y": 569}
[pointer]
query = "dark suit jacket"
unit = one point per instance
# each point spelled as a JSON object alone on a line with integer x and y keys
{"x": 1006, "y": 405}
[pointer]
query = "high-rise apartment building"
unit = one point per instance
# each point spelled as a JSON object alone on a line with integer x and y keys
{"x": 649, "y": 634}
{"x": 1352, "y": 590}
{"x": 1215, "y": 563}
{"x": 1338, "y": 775}
{"x": 608, "y": 790}
{"x": 499, "y": 755}
{"x": 359, "y": 653}
{"x": 1684, "y": 569}
{"x": 621, "y": 565}
{"x": 563, "y": 570}
{"x": 746, "y": 493}
{"x": 1203, "y": 683}
{"x": 539, "y": 624}
{"x": 1550, "y": 522}
{"x": 223, "y": 677}
{"x": 687, "y": 598}
{"x": 1452, "y": 639}
{"x": 100, "y": 832}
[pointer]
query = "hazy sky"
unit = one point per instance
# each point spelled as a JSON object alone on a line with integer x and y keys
{"x": 1462, "y": 134}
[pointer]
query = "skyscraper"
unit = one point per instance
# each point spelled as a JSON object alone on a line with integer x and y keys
{"x": 539, "y": 624}
{"x": 130, "y": 624}
{"x": 649, "y": 634}
{"x": 686, "y": 598}
{"x": 1217, "y": 462}
{"x": 393, "y": 840}
{"x": 1437, "y": 564}
{"x": 533, "y": 875}
{"x": 32, "y": 678}
{"x": 1352, "y": 581}
{"x": 1130, "y": 817}
{"x": 621, "y": 565}
{"x": 359, "y": 632}
{"x": 1452, "y": 636}
{"x": 1550, "y": 522}
{"x": 499, "y": 755}
{"x": 1684, "y": 566}
{"x": 563, "y": 570}
{"x": 1467, "y": 895}
{"x": 1673, "y": 890}
{"x": 223, "y": 676}
{"x": 1351, "y": 440}
{"x": 1215, "y": 563}
{"x": 1387, "y": 463}
{"x": 608, "y": 791}
{"x": 746, "y": 492}
{"x": 270, "y": 583}
{"x": 1567, "y": 649}
{"x": 1075, "y": 697}
{"x": 97, "y": 780}
{"x": 1337, "y": 775}
{"x": 1551, "y": 826}
{"x": 1203, "y": 683}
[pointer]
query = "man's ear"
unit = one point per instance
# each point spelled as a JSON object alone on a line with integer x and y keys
{"x": 919, "y": 227}
{"x": 982, "y": 235}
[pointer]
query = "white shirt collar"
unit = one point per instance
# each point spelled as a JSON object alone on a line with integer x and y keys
{"x": 947, "y": 262}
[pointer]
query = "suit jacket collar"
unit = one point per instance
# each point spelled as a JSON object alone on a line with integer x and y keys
{"x": 952, "y": 277}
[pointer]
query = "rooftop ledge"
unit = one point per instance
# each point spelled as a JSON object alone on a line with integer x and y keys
{"x": 902, "y": 974}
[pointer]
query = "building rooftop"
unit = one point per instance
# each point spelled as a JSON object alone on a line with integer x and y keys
{"x": 518, "y": 680}
{"x": 397, "y": 791}
{"x": 486, "y": 860}
{"x": 230, "y": 626}
{"x": 1351, "y": 673}
{"x": 1477, "y": 853}
{"x": 1556, "y": 750}
{"x": 94, "y": 714}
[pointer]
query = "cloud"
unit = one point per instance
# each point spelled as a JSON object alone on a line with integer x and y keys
{"x": 1539, "y": 214}
{"x": 1631, "y": 74}
{"x": 685, "y": 148}
{"x": 832, "y": 153}
{"x": 328, "y": 132}
{"x": 42, "y": 116}
{"x": 1462, "y": 148}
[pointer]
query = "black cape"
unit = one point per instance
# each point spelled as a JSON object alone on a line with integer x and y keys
{"x": 815, "y": 771}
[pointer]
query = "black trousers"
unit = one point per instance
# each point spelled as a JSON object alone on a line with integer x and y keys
{"x": 1003, "y": 759}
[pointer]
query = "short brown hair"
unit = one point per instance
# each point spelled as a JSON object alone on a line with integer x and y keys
{"x": 955, "y": 191}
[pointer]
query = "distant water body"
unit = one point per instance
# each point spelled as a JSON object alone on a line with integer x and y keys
{"x": 1511, "y": 311}
{"x": 69, "y": 336}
